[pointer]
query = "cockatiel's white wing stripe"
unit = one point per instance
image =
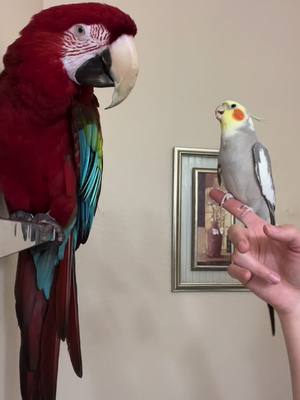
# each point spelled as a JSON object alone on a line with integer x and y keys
{"x": 262, "y": 165}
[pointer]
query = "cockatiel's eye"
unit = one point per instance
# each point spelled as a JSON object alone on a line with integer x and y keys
{"x": 80, "y": 31}
{"x": 233, "y": 105}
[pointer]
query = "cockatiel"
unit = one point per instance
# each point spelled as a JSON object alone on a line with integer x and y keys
{"x": 244, "y": 164}
{"x": 51, "y": 164}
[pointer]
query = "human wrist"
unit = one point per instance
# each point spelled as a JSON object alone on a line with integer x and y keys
{"x": 290, "y": 323}
{"x": 289, "y": 316}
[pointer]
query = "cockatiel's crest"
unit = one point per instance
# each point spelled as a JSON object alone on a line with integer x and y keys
{"x": 51, "y": 164}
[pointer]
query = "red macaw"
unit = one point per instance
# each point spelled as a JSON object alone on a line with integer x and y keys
{"x": 51, "y": 164}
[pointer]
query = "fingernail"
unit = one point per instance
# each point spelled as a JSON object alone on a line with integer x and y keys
{"x": 274, "y": 278}
{"x": 242, "y": 244}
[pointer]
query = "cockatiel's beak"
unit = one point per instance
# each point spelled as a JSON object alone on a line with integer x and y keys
{"x": 116, "y": 66}
{"x": 219, "y": 112}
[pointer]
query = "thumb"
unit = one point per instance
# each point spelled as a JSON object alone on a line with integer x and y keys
{"x": 288, "y": 234}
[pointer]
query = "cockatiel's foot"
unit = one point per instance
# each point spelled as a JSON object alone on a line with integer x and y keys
{"x": 50, "y": 224}
{"x": 226, "y": 197}
{"x": 245, "y": 209}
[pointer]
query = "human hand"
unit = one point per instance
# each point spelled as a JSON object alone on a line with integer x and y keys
{"x": 266, "y": 258}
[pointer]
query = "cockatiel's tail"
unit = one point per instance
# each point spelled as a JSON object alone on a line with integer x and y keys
{"x": 51, "y": 163}
{"x": 244, "y": 164}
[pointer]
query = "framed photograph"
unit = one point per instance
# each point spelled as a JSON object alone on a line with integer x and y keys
{"x": 201, "y": 249}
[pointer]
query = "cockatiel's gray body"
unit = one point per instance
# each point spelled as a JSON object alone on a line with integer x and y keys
{"x": 244, "y": 164}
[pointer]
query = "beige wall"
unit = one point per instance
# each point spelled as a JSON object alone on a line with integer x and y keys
{"x": 140, "y": 341}
{"x": 14, "y": 15}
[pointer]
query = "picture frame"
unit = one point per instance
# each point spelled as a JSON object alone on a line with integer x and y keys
{"x": 199, "y": 266}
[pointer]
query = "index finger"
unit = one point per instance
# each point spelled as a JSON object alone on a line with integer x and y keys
{"x": 237, "y": 209}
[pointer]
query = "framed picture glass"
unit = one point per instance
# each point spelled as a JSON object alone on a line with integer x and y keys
{"x": 201, "y": 249}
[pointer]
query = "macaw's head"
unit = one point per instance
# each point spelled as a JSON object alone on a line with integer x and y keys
{"x": 69, "y": 46}
{"x": 233, "y": 116}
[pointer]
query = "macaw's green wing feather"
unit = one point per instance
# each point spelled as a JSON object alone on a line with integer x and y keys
{"x": 89, "y": 160}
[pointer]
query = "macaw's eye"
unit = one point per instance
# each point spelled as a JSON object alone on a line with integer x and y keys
{"x": 233, "y": 105}
{"x": 79, "y": 29}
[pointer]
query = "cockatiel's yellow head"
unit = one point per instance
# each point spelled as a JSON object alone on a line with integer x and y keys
{"x": 233, "y": 116}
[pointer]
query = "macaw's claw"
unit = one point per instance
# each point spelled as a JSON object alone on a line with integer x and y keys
{"x": 25, "y": 218}
{"x": 39, "y": 228}
{"x": 50, "y": 224}
{"x": 21, "y": 216}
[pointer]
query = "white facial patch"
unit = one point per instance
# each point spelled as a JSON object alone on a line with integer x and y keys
{"x": 81, "y": 43}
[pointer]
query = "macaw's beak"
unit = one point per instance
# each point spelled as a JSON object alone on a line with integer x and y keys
{"x": 116, "y": 66}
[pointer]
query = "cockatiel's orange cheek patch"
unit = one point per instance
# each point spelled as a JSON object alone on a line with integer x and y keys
{"x": 238, "y": 114}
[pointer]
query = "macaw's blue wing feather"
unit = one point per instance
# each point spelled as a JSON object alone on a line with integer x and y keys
{"x": 88, "y": 159}
{"x": 88, "y": 138}
{"x": 47, "y": 259}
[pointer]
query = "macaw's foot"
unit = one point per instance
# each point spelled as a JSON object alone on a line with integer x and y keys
{"x": 50, "y": 225}
{"x": 22, "y": 216}
{"x": 226, "y": 197}
{"x": 39, "y": 227}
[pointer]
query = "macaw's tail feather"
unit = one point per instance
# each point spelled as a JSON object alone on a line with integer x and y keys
{"x": 49, "y": 353}
{"x": 67, "y": 307}
{"x": 73, "y": 336}
{"x": 31, "y": 308}
{"x": 43, "y": 323}
{"x": 63, "y": 290}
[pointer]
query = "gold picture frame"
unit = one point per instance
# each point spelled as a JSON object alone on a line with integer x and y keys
{"x": 186, "y": 274}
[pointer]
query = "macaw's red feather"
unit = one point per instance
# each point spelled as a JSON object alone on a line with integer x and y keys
{"x": 60, "y": 18}
{"x": 31, "y": 333}
{"x": 73, "y": 337}
{"x": 67, "y": 320}
{"x": 31, "y": 307}
{"x": 50, "y": 344}
{"x": 63, "y": 291}
{"x": 43, "y": 324}
{"x": 27, "y": 379}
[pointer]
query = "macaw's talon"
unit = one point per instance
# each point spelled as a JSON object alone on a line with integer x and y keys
{"x": 49, "y": 224}
{"x": 226, "y": 197}
{"x": 24, "y": 218}
{"x": 21, "y": 216}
